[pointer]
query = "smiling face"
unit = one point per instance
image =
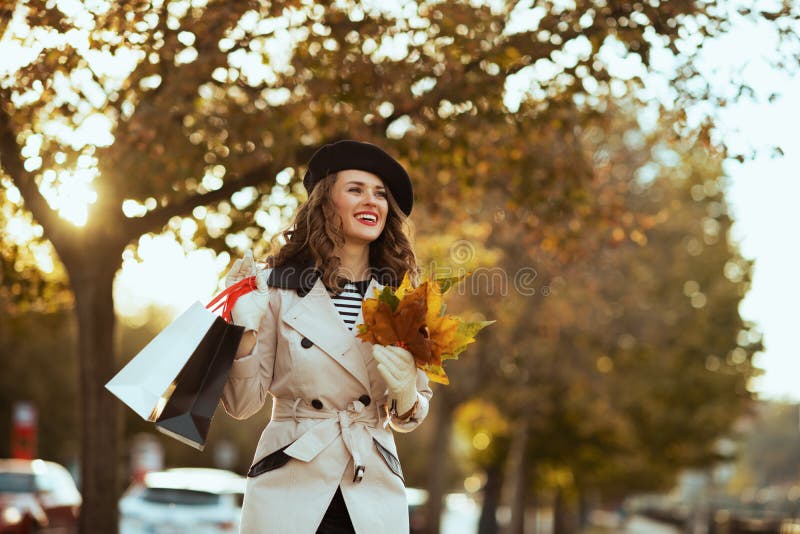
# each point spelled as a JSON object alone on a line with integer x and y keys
{"x": 360, "y": 199}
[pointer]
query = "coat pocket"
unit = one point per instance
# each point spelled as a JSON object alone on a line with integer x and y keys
{"x": 390, "y": 459}
{"x": 269, "y": 462}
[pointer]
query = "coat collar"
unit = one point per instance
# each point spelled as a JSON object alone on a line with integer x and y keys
{"x": 316, "y": 318}
{"x": 302, "y": 276}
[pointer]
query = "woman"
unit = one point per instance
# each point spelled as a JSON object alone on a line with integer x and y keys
{"x": 327, "y": 461}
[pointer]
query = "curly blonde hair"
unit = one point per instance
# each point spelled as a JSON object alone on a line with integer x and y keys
{"x": 317, "y": 230}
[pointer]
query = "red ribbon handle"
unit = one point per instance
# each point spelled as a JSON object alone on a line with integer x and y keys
{"x": 228, "y": 296}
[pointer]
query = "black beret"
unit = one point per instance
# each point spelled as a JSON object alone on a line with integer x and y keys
{"x": 349, "y": 154}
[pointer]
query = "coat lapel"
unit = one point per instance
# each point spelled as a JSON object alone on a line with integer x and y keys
{"x": 316, "y": 318}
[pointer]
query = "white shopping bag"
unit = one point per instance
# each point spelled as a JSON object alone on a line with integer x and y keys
{"x": 147, "y": 381}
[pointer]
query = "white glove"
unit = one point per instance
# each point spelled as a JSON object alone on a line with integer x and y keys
{"x": 398, "y": 369}
{"x": 241, "y": 269}
{"x": 250, "y": 307}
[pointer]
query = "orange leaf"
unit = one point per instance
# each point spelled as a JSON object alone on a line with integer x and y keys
{"x": 409, "y": 323}
{"x": 378, "y": 324}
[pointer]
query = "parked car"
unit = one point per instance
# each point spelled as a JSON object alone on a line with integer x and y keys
{"x": 756, "y": 512}
{"x": 37, "y": 495}
{"x": 180, "y": 500}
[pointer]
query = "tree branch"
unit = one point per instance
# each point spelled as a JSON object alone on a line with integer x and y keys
{"x": 12, "y": 164}
{"x": 155, "y": 220}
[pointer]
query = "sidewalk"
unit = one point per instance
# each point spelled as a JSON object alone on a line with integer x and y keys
{"x": 642, "y": 525}
{"x": 635, "y": 525}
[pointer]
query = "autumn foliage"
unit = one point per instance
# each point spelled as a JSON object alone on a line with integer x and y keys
{"x": 415, "y": 319}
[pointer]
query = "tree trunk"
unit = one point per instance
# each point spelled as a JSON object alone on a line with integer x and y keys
{"x": 585, "y": 505}
{"x": 565, "y": 513}
{"x": 559, "y": 521}
{"x": 517, "y": 471}
{"x": 92, "y": 285}
{"x": 491, "y": 497}
{"x": 439, "y": 461}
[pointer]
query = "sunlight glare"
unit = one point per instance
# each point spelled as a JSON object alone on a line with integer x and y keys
{"x": 93, "y": 130}
{"x": 70, "y": 193}
{"x": 20, "y": 231}
{"x": 133, "y": 208}
{"x": 13, "y": 196}
{"x": 165, "y": 276}
{"x": 44, "y": 259}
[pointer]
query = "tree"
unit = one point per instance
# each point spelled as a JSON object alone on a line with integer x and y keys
{"x": 636, "y": 361}
{"x": 211, "y": 108}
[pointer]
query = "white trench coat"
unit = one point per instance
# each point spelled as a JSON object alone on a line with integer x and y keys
{"x": 327, "y": 428}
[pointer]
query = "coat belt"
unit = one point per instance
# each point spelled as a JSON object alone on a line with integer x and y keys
{"x": 334, "y": 423}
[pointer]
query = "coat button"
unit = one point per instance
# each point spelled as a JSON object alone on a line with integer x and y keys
{"x": 306, "y": 343}
{"x": 316, "y": 403}
{"x": 365, "y": 400}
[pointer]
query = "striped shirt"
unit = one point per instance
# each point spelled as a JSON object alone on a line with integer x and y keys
{"x": 348, "y": 302}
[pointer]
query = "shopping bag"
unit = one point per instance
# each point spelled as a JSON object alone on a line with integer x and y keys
{"x": 177, "y": 379}
{"x": 147, "y": 381}
{"x": 188, "y": 412}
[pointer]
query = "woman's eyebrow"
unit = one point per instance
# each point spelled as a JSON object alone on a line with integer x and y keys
{"x": 356, "y": 182}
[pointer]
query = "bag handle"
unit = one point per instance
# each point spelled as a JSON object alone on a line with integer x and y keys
{"x": 228, "y": 296}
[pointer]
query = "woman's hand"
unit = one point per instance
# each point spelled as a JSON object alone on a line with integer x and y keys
{"x": 241, "y": 269}
{"x": 247, "y": 343}
{"x": 398, "y": 369}
{"x": 250, "y": 307}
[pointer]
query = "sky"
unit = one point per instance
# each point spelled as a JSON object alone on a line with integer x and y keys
{"x": 763, "y": 196}
{"x": 762, "y": 193}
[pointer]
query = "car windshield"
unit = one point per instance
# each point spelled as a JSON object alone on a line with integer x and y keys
{"x": 181, "y": 497}
{"x": 17, "y": 483}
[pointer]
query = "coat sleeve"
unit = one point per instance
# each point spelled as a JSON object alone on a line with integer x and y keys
{"x": 424, "y": 394}
{"x": 251, "y": 376}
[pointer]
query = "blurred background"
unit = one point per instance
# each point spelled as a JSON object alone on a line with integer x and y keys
{"x": 619, "y": 176}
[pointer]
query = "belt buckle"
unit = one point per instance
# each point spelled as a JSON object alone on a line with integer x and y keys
{"x": 359, "y": 473}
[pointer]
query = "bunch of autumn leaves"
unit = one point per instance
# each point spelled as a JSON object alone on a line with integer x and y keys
{"x": 415, "y": 319}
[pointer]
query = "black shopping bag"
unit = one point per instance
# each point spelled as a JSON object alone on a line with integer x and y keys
{"x": 197, "y": 389}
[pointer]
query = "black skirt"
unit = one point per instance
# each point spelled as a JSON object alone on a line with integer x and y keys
{"x": 336, "y": 519}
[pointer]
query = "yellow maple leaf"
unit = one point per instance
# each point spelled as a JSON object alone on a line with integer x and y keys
{"x": 404, "y": 288}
